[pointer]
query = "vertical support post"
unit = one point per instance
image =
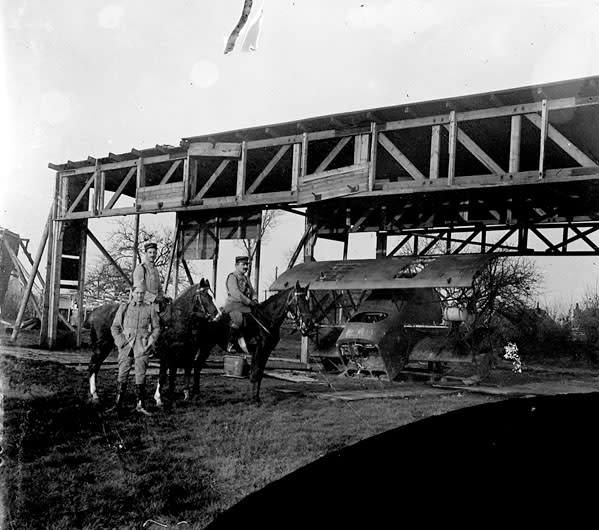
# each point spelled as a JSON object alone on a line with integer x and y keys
{"x": 81, "y": 277}
{"x": 453, "y": 138}
{"x": 257, "y": 259}
{"x": 361, "y": 152}
{"x": 304, "y": 163}
{"x": 374, "y": 141}
{"x": 433, "y": 173}
{"x": 522, "y": 239}
{"x": 97, "y": 188}
{"x": 544, "y": 127}
{"x": 415, "y": 245}
{"x": 135, "y": 245}
{"x": 186, "y": 195}
{"x": 193, "y": 177}
{"x": 308, "y": 256}
{"x": 381, "y": 245}
{"x": 140, "y": 177}
{"x": 54, "y": 284}
{"x": 241, "y": 171}
{"x": 515, "y": 134}
{"x": 177, "y": 262}
{"x": 483, "y": 240}
{"x": 102, "y": 191}
{"x": 565, "y": 239}
{"x": 49, "y": 249}
{"x": 296, "y": 167}
{"x": 215, "y": 257}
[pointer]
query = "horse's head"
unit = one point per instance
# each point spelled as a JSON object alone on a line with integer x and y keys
{"x": 203, "y": 303}
{"x": 298, "y": 308}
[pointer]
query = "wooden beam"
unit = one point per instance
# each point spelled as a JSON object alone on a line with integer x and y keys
{"x": 269, "y": 167}
{"x": 81, "y": 286}
{"x": 374, "y": 142}
{"x": 193, "y": 178}
{"x": 171, "y": 171}
{"x": 82, "y": 193}
{"x": 333, "y": 153}
{"x": 241, "y": 172}
{"x": 478, "y": 153}
{"x": 296, "y": 167}
{"x": 543, "y": 127}
{"x": 304, "y": 163}
{"x": 563, "y": 142}
{"x": 435, "y": 152}
{"x": 108, "y": 256}
{"x": 120, "y": 189}
{"x": 140, "y": 181}
{"x": 453, "y": 127}
{"x": 400, "y": 158}
{"x": 212, "y": 179}
{"x": 187, "y": 271}
{"x": 54, "y": 285}
{"x": 361, "y": 148}
{"x": 30, "y": 259}
{"x": 30, "y": 281}
{"x": 515, "y": 134}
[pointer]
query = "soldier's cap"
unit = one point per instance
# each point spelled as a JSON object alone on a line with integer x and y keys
{"x": 150, "y": 245}
{"x": 242, "y": 259}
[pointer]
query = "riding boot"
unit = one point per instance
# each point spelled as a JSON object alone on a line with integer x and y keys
{"x": 232, "y": 343}
{"x": 120, "y": 397}
{"x": 140, "y": 391}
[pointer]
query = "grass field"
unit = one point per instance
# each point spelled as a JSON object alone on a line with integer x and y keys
{"x": 68, "y": 464}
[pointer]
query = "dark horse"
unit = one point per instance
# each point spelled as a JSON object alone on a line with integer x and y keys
{"x": 177, "y": 346}
{"x": 261, "y": 331}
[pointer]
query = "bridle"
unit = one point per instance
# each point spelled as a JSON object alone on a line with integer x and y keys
{"x": 199, "y": 303}
{"x": 293, "y": 310}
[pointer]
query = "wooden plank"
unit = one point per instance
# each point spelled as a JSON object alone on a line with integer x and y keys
{"x": 361, "y": 148}
{"x": 81, "y": 290}
{"x": 212, "y": 179}
{"x": 186, "y": 195}
{"x": 374, "y": 142}
{"x": 453, "y": 126}
{"x": 435, "y": 152}
{"x": 478, "y": 153}
{"x": 296, "y": 167}
{"x": 82, "y": 193}
{"x": 562, "y": 141}
{"x": 333, "y": 153}
{"x": 400, "y": 158}
{"x": 141, "y": 173}
{"x": 515, "y": 134}
{"x": 173, "y": 191}
{"x": 241, "y": 172}
{"x": 171, "y": 171}
{"x": 102, "y": 191}
{"x": 121, "y": 187}
{"x": 543, "y": 127}
{"x": 339, "y": 172}
{"x": 269, "y": 167}
{"x": 304, "y": 163}
{"x": 220, "y": 149}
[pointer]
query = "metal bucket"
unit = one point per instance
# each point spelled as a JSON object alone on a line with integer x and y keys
{"x": 235, "y": 365}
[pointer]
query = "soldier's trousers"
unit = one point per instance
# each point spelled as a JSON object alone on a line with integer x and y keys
{"x": 135, "y": 357}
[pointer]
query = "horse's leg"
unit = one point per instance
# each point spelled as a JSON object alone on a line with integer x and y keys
{"x": 157, "y": 397}
{"x": 98, "y": 357}
{"x": 187, "y": 379}
{"x": 172, "y": 377}
{"x": 162, "y": 380}
{"x": 198, "y": 363}
{"x": 259, "y": 358}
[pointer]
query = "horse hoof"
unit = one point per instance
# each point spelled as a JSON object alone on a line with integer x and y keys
{"x": 186, "y": 395}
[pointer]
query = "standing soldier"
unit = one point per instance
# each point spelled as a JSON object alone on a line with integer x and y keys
{"x": 146, "y": 275}
{"x": 240, "y": 298}
{"x": 135, "y": 329}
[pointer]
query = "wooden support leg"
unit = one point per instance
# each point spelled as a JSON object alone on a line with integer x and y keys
{"x": 29, "y": 287}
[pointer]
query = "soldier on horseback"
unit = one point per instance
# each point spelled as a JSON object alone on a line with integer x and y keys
{"x": 146, "y": 275}
{"x": 135, "y": 329}
{"x": 240, "y": 298}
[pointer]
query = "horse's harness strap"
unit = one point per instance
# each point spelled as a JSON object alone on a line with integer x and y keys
{"x": 259, "y": 323}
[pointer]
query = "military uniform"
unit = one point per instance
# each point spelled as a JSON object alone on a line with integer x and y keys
{"x": 133, "y": 326}
{"x": 146, "y": 275}
{"x": 240, "y": 295}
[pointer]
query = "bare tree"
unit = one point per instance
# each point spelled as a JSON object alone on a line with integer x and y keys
{"x": 104, "y": 281}
{"x": 250, "y": 246}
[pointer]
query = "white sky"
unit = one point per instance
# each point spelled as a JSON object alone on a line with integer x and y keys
{"x": 81, "y": 78}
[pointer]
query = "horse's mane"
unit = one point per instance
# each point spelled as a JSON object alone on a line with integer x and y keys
{"x": 272, "y": 301}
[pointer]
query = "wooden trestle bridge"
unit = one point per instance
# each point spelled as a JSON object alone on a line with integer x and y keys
{"x": 514, "y": 171}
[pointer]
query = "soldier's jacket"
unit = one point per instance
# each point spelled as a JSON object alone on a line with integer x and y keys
{"x": 239, "y": 293}
{"x": 146, "y": 275}
{"x": 133, "y": 325}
